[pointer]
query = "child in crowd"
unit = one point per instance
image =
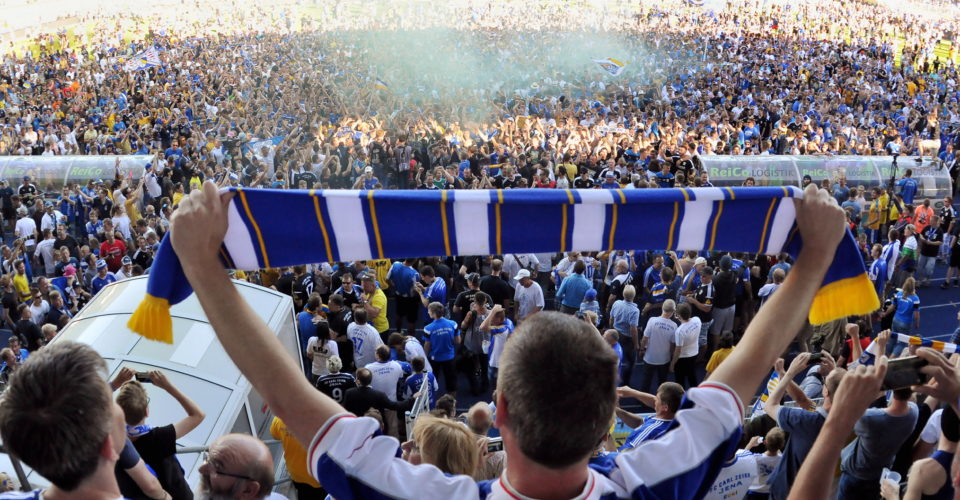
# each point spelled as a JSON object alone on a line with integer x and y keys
{"x": 590, "y": 304}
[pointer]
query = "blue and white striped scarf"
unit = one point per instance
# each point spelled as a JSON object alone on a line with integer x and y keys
{"x": 342, "y": 225}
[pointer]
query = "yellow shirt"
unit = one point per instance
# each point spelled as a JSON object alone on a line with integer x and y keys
{"x": 718, "y": 356}
{"x": 379, "y": 300}
{"x": 176, "y": 198}
{"x": 132, "y": 211}
{"x": 22, "y": 285}
{"x": 571, "y": 171}
{"x": 382, "y": 267}
{"x": 293, "y": 452}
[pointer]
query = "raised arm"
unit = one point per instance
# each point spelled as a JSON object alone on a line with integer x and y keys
{"x": 198, "y": 228}
{"x": 194, "y": 414}
{"x": 772, "y": 406}
{"x": 857, "y": 390}
{"x": 821, "y": 224}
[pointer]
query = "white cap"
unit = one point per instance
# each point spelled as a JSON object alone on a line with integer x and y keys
{"x": 700, "y": 260}
{"x": 522, "y": 274}
{"x": 368, "y": 169}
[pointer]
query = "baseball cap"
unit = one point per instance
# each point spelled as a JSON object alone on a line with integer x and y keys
{"x": 367, "y": 277}
{"x": 69, "y": 271}
{"x": 126, "y": 260}
{"x": 101, "y": 263}
{"x": 522, "y": 274}
{"x": 726, "y": 262}
{"x": 368, "y": 169}
{"x": 26, "y": 177}
{"x": 590, "y": 295}
{"x": 48, "y": 204}
{"x": 700, "y": 260}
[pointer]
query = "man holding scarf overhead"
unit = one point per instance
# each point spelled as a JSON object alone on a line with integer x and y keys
{"x": 548, "y": 449}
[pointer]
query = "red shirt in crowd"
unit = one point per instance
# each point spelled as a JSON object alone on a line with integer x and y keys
{"x": 113, "y": 254}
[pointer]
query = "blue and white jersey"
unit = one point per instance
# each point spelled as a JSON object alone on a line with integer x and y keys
{"x": 877, "y": 272}
{"x": 352, "y": 464}
{"x": 889, "y": 255}
{"x": 651, "y": 428}
{"x": 413, "y": 384}
{"x": 735, "y": 478}
{"x": 98, "y": 283}
{"x": 498, "y": 340}
{"x": 437, "y": 291}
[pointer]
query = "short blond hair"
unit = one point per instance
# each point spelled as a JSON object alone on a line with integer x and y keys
{"x": 133, "y": 399}
{"x": 447, "y": 444}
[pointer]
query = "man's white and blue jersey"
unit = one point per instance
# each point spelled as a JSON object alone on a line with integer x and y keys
{"x": 414, "y": 383}
{"x": 878, "y": 275}
{"x": 437, "y": 291}
{"x": 889, "y": 255}
{"x": 352, "y": 464}
{"x": 651, "y": 428}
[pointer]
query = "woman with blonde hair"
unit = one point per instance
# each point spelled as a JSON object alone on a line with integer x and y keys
{"x": 906, "y": 312}
{"x": 446, "y": 444}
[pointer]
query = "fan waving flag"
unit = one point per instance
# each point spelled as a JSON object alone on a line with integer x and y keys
{"x": 146, "y": 59}
{"x": 344, "y": 225}
{"x": 610, "y": 65}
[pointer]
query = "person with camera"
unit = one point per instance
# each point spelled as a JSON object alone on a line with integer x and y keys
{"x": 802, "y": 425}
{"x": 880, "y": 433}
{"x": 158, "y": 445}
{"x": 474, "y": 339}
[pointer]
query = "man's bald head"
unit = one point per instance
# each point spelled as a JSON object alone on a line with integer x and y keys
{"x": 480, "y": 418}
{"x": 239, "y": 466}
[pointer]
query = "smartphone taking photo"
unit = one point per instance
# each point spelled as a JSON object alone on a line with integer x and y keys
{"x": 905, "y": 372}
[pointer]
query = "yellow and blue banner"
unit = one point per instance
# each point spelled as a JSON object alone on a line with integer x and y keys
{"x": 146, "y": 59}
{"x": 611, "y": 65}
{"x": 345, "y": 225}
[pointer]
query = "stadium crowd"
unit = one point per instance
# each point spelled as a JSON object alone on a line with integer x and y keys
{"x": 283, "y": 98}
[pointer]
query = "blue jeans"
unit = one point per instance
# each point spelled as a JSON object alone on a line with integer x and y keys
{"x": 925, "y": 268}
{"x": 895, "y": 348}
{"x": 851, "y": 488}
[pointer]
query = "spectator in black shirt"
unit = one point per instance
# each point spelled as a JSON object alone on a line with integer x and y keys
{"x": 360, "y": 399}
{"x": 584, "y": 181}
{"x": 495, "y": 286}
{"x": 158, "y": 445}
{"x": 465, "y": 298}
{"x": 338, "y": 319}
{"x": 724, "y": 302}
{"x": 930, "y": 239}
{"x": 336, "y": 383}
{"x": 64, "y": 239}
{"x": 27, "y": 329}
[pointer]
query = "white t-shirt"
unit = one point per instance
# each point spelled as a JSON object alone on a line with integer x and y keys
{"x": 688, "y": 337}
{"x": 386, "y": 377}
{"x": 26, "y": 227}
{"x": 734, "y": 479}
{"x": 910, "y": 243}
{"x": 122, "y": 224}
{"x": 38, "y": 313}
{"x": 528, "y": 299}
{"x": 661, "y": 332}
{"x": 412, "y": 348}
{"x": 322, "y": 351}
{"x": 365, "y": 342}
{"x": 931, "y": 432}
